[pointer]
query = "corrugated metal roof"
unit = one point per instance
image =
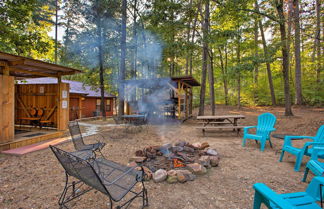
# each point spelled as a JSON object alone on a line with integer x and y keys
{"x": 76, "y": 87}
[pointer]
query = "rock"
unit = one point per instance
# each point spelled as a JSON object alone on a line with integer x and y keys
{"x": 181, "y": 178}
{"x": 211, "y": 152}
{"x": 139, "y": 153}
{"x": 137, "y": 159}
{"x": 172, "y": 179}
{"x": 197, "y": 168}
{"x": 165, "y": 149}
{"x": 214, "y": 160}
{"x": 188, "y": 149}
{"x": 196, "y": 145}
{"x": 190, "y": 177}
{"x": 132, "y": 164}
{"x": 181, "y": 143}
{"x": 204, "y": 145}
{"x": 160, "y": 175}
{"x": 172, "y": 173}
{"x": 177, "y": 149}
{"x": 147, "y": 172}
{"x": 205, "y": 161}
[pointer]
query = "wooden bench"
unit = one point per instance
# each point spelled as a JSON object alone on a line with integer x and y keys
{"x": 237, "y": 128}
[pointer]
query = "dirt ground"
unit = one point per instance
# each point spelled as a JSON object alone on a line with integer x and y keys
{"x": 36, "y": 180}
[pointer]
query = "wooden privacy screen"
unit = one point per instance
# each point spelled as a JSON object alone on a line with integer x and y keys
{"x": 6, "y": 108}
{"x": 48, "y": 97}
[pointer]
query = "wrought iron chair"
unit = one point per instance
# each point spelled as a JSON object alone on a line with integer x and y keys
{"x": 110, "y": 178}
{"x": 78, "y": 142}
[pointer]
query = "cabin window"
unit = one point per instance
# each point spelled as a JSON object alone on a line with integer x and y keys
{"x": 108, "y": 106}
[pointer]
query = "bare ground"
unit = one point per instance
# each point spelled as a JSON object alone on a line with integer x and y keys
{"x": 36, "y": 180}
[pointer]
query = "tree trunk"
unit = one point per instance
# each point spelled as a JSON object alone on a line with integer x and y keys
{"x": 204, "y": 59}
{"x": 224, "y": 74}
{"x": 56, "y": 25}
{"x": 188, "y": 40}
{"x": 211, "y": 82}
{"x": 266, "y": 56}
{"x": 298, "y": 82}
{"x": 121, "y": 89}
{"x": 101, "y": 68}
{"x": 318, "y": 47}
{"x": 256, "y": 54}
{"x": 238, "y": 57}
{"x": 134, "y": 60}
{"x": 285, "y": 57}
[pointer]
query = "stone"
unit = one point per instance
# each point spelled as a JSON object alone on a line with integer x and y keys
{"x": 137, "y": 159}
{"x": 204, "y": 145}
{"x": 196, "y": 145}
{"x": 172, "y": 179}
{"x": 172, "y": 173}
{"x": 211, "y": 152}
{"x": 197, "y": 168}
{"x": 177, "y": 149}
{"x": 214, "y": 160}
{"x": 139, "y": 153}
{"x": 160, "y": 175}
{"x": 190, "y": 177}
{"x": 132, "y": 164}
{"x": 148, "y": 173}
{"x": 188, "y": 149}
{"x": 205, "y": 161}
{"x": 181, "y": 178}
{"x": 181, "y": 143}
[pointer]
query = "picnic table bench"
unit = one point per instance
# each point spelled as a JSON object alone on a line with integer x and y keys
{"x": 220, "y": 122}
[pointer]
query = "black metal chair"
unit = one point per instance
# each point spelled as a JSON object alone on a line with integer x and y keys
{"x": 110, "y": 178}
{"x": 78, "y": 142}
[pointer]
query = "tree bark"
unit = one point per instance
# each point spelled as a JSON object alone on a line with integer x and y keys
{"x": 204, "y": 60}
{"x": 56, "y": 25}
{"x": 256, "y": 54}
{"x": 318, "y": 46}
{"x": 188, "y": 40}
{"x": 211, "y": 83}
{"x": 285, "y": 57}
{"x": 298, "y": 82}
{"x": 238, "y": 57}
{"x": 122, "y": 72}
{"x": 224, "y": 74}
{"x": 101, "y": 68}
{"x": 266, "y": 56}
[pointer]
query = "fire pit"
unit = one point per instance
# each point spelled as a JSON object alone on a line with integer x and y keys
{"x": 180, "y": 162}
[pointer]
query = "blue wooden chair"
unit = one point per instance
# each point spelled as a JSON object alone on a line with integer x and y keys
{"x": 298, "y": 200}
{"x": 306, "y": 149}
{"x": 314, "y": 165}
{"x": 266, "y": 122}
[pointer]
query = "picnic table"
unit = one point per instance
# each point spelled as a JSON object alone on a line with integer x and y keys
{"x": 136, "y": 119}
{"x": 220, "y": 122}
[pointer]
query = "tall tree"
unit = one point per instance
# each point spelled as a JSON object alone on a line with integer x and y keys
{"x": 285, "y": 56}
{"x": 122, "y": 71}
{"x": 298, "y": 82}
{"x": 205, "y": 24}
{"x": 266, "y": 56}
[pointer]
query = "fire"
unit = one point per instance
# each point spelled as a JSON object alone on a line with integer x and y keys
{"x": 178, "y": 163}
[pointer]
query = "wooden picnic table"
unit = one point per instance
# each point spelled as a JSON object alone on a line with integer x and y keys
{"x": 220, "y": 122}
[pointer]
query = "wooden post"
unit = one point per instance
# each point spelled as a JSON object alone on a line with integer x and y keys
{"x": 7, "y": 106}
{"x": 179, "y": 100}
{"x": 187, "y": 103}
{"x": 190, "y": 105}
{"x": 63, "y": 105}
{"x": 80, "y": 107}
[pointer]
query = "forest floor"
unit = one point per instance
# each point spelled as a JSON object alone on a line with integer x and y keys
{"x": 35, "y": 180}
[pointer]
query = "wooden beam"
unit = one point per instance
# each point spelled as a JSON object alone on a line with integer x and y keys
{"x": 50, "y": 113}
{"x": 13, "y": 69}
{"x": 17, "y": 62}
{"x": 23, "y": 106}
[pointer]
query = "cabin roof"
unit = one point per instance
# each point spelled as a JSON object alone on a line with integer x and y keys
{"x": 76, "y": 87}
{"x": 31, "y": 68}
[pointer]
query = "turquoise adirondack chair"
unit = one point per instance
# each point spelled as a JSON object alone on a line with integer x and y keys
{"x": 314, "y": 165}
{"x": 298, "y": 200}
{"x": 306, "y": 149}
{"x": 266, "y": 122}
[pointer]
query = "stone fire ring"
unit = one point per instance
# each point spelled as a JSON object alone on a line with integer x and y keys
{"x": 180, "y": 162}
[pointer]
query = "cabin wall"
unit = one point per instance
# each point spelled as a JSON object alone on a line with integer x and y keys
{"x": 89, "y": 105}
{"x": 7, "y": 106}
